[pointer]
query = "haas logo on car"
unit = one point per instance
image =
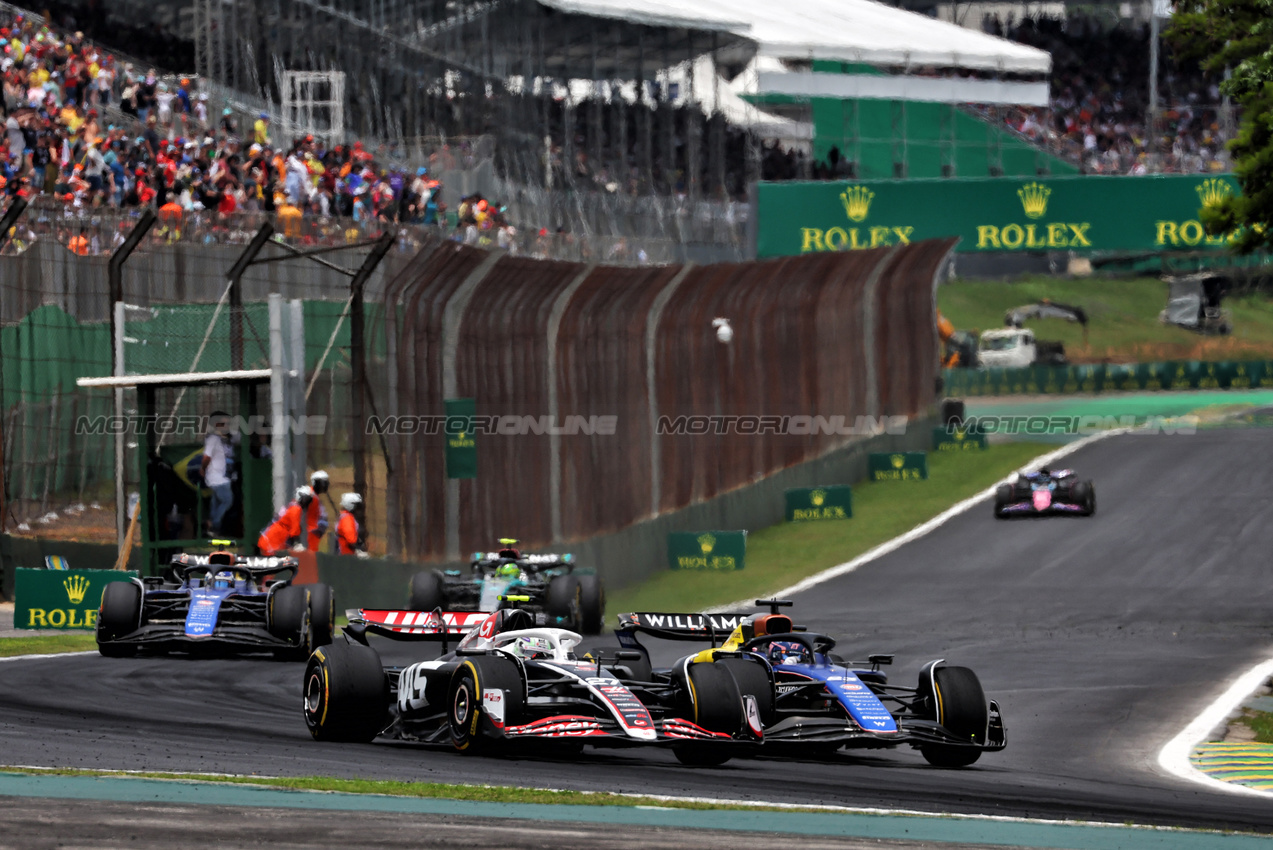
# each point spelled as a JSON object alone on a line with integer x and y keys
{"x": 488, "y": 627}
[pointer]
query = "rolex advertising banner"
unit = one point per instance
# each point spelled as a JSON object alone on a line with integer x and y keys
{"x": 899, "y": 466}
{"x": 957, "y": 440}
{"x": 706, "y": 550}
{"x": 61, "y": 599}
{"x": 461, "y": 448}
{"x": 1083, "y": 213}
{"x": 817, "y": 503}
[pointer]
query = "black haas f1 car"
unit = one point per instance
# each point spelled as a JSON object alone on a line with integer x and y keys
{"x": 810, "y": 698}
{"x": 561, "y": 595}
{"x": 220, "y": 602}
{"x": 1045, "y": 492}
{"x": 506, "y": 682}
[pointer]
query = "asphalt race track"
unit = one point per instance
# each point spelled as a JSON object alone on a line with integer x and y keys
{"x": 1100, "y": 637}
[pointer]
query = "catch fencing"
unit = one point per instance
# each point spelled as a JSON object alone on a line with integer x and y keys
{"x": 837, "y": 336}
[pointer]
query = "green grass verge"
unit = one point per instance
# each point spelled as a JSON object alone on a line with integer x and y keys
{"x": 43, "y": 644}
{"x": 1261, "y": 722}
{"x": 429, "y": 790}
{"x": 783, "y": 554}
{"x": 1122, "y": 314}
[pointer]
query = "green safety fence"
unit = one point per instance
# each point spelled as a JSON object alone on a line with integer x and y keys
{"x": 1096, "y": 378}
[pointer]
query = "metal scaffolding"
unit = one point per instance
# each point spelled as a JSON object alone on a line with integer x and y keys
{"x": 573, "y": 101}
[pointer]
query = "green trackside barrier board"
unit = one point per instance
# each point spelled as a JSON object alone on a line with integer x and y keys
{"x": 1078, "y": 213}
{"x": 461, "y": 448}
{"x": 805, "y": 504}
{"x": 706, "y": 550}
{"x": 898, "y": 466}
{"x": 1166, "y": 375}
{"x": 61, "y": 599}
{"x": 957, "y": 440}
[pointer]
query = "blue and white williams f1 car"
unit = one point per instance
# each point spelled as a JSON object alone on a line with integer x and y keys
{"x": 220, "y": 602}
{"x": 809, "y": 697}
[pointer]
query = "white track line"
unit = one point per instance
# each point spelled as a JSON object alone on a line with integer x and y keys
{"x": 1174, "y": 757}
{"x": 921, "y": 529}
{"x": 49, "y": 655}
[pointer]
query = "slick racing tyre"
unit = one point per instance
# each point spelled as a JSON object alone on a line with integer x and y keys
{"x": 959, "y": 704}
{"x": 1003, "y": 497}
{"x": 120, "y": 614}
{"x": 322, "y": 614}
{"x": 953, "y": 410}
{"x": 753, "y": 680}
{"x": 714, "y": 703}
{"x": 468, "y": 704}
{"x": 1084, "y": 493}
{"x": 564, "y": 603}
{"x": 592, "y": 604}
{"x": 428, "y": 591}
{"x": 346, "y": 693}
{"x": 289, "y": 620}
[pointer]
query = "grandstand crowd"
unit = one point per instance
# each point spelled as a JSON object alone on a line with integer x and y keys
{"x": 1100, "y": 100}
{"x": 89, "y": 132}
{"x": 86, "y": 132}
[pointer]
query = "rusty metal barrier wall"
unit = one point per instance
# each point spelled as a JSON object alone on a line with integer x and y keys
{"x": 419, "y": 467}
{"x": 502, "y": 363}
{"x": 835, "y": 335}
{"x": 602, "y": 367}
{"x": 906, "y": 356}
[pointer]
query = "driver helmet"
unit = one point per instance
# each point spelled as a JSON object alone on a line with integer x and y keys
{"x": 223, "y": 580}
{"x": 531, "y": 648}
{"x": 787, "y": 652}
{"x": 509, "y": 570}
{"x": 1045, "y": 472}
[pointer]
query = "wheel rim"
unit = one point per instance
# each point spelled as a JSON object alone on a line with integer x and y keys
{"x": 314, "y": 694}
{"x": 462, "y": 706}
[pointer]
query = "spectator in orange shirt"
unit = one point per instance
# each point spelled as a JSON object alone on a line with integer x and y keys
{"x": 79, "y": 244}
{"x": 316, "y": 514}
{"x": 288, "y": 527}
{"x": 349, "y": 533}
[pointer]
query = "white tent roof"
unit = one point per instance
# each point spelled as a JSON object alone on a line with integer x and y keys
{"x": 845, "y": 30}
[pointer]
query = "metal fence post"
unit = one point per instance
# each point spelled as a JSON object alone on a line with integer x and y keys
{"x": 235, "y": 276}
{"x": 115, "y": 270}
{"x": 358, "y": 357}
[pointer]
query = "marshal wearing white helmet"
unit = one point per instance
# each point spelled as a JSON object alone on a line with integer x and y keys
{"x": 349, "y": 531}
{"x": 316, "y": 514}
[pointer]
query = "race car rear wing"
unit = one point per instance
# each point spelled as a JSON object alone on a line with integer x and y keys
{"x": 417, "y": 625}
{"x": 255, "y": 565}
{"x": 697, "y": 627}
{"x": 532, "y": 563}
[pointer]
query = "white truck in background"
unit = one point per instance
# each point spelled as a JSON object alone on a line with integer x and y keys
{"x": 1014, "y": 347}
